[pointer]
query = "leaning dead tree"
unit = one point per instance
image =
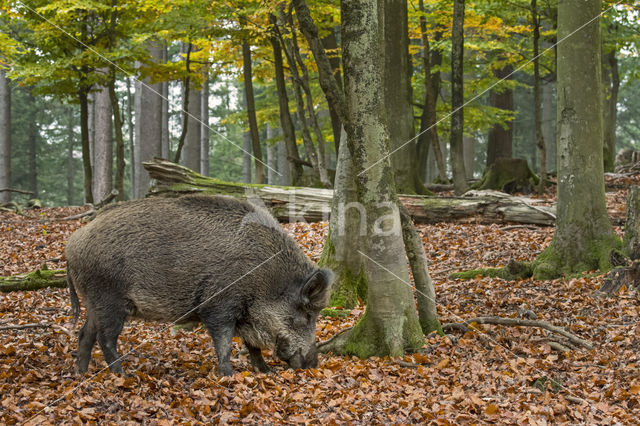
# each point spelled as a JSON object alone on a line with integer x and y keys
{"x": 314, "y": 204}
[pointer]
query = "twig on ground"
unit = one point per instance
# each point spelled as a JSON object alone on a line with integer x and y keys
{"x": 520, "y": 322}
{"x": 322, "y": 346}
{"x": 24, "y": 326}
{"x": 510, "y": 227}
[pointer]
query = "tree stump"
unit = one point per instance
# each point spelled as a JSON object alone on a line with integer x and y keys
{"x": 508, "y": 175}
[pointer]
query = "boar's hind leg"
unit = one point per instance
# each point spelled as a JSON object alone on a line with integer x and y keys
{"x": 222, "y": 335}
{"x": 257, "y": 361}
{"x": 86, "y": 340}
{"x": 109, "y": 327}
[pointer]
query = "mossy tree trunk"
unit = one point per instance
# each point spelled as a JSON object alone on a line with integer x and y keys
{"x": 583, "y": 239}
{"x": 390, "y": 324}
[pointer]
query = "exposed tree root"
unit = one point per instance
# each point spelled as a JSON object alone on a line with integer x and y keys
{"x": 335, "y": 343}
{"x": 519, "y": 322}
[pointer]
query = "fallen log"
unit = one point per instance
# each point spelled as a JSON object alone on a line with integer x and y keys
{"x": 293, "y": 204}
{"x": 36, "y": 280}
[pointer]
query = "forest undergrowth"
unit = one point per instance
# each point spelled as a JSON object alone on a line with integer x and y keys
{"x": 488, "y": 374}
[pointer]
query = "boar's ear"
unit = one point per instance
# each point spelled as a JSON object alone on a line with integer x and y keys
{"x": 316, "y": 291}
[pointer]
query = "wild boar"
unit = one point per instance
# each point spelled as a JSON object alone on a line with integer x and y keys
{"x": 216, "y": 260}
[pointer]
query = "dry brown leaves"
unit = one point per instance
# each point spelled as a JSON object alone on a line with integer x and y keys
{"x": 492, "y": 374}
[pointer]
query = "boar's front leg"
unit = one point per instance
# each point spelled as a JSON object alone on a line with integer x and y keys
{"x": 222, "y": 335}
{"x": 255, "y": 355}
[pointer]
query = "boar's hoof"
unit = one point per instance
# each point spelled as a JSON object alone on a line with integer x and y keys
{"x": 225, "y": 370}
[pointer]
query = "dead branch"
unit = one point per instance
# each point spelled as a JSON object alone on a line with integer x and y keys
{"x": 333, "y": 342}
{"x": 24, "y": 326}
{"x": 89, "y": 212}
{"x": 19, "y": 191}
{"x": 522, "y": 323}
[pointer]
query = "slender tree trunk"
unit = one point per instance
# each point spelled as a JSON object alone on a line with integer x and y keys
{"x": 165, "y": 150}
{"x": 583, "y": 239}
{"x": 191, "y": 153}
{"x": 103, "y": 145}
{"x": 469, "y": 149}
{"x": 548, "y": 122}
{"x": 428, "y": 128}
{"x": 390, "y": 324}
{"x": 328, "y": 82}
{"x": 246, "y": 157}
{"x": 5, "y": 136}
{"x": 500, "y": 141}
{"x": 611, "y": 79}
{"x": 204, "y": 127}
{"x": 251, "y": 112}
{"x": 271, "y": 156}
{"x": 117, "y": 121}
{"x": 92, "y": 129}
{"x": 457, "y": 98}
{"x": 83, "y": 92}
{"x": 330, "y": 43}
{"x": 283, "y": 164}
{"x": 149, "y": 122}
{"x": 33, "y": 136}
{"x": 313, "y": 119}
{"x": 542, "y": 150}
{"x": 286, "y": 123}
{"x": 186, "y": 92}
{"x": 70, "y": 143}
{"x": 397, "y": 93}
{"x": 132, "y": 138}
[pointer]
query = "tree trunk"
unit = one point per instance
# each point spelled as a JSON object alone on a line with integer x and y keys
{"x": 500, "y": 141}
{"x": 103, "y": 144}
{"x": 426, "y": 294}
{"x": 328, "y": 83}
{"x": 251, "y": 113}
{"x": 246, "y": 157}
{"x": 428, "y": 140}
{"x": 397, "y": 96}
{"x": 390, "y": 323}
{"x": 117, "y": 120}
{"x": 283, "y": 164}
{"x": 83, "y": 92}
{"x": 70, "y": 143}
{"x": 313, "y": 119}
{"x": 286, "y": 123}
{"x": 204, "y": 127}
{"x": 542, "y": 150}
{"x": 33, "y": 135}
{"x": 632, "y": 224}
{"x": 583, "y": 239}
{"x": 165, "y": 149}
{"x": 611, "y": 79}
{"x": 186, "y": 92}
{"x": 457, "y": 98}
{"x": 271, "y": 156}
{"x": 312, "y": 204}
{"x": 469, "y": 149}
{"x": 330, "y": 42}
{"x": 5, "y": 137}
{"x": 548, "y": 122}
{"x": 132, "y": 137}
{"x": 148, "y": 122}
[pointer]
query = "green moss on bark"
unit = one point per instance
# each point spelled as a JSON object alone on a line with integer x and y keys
{"x": 348, "y": 288}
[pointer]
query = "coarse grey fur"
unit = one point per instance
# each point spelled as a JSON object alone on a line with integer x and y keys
{"x": 217, "y": 260}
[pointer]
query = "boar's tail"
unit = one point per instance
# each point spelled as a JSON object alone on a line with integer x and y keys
{"x": 75, "y": 303}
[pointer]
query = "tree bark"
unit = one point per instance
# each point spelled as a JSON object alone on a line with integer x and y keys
{"x": 397, "y": 96}
{"x": 5, "y": 136}
{"x": 457, "y": 98}
{"x": 286, "y": 123}
{"x": 83, "y": 97}
{"x": 103, "y": 144}
{"x": 148, "y": 122}
{"x": 428, "y": 129}
{"x": 251, "y": 113}
{"x": 165, "y": 149}
{"x": 117, "y": 120}
{"x": 328, "y": 82}
{"x": 500, "y": 141}
{"x": 611, "y": 78}
{"x": 583, "y": 239}
{"x": 204, "y": 126}
{"x": 283, "y": 165}
{"x": 70, "y": 144}
{"x": 542, "y": 150}
{"x": 132, "y": 137}
{"x": 390, "y": 323}
{"x": 246, "y": 157}
{"x": 271, "y": 156}
{"x": 330, "y": 42}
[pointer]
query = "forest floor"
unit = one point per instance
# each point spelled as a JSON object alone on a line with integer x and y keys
{"x": 488, "y": 374}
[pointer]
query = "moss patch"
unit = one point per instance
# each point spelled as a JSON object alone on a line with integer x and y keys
{"x": 38, "y": 279}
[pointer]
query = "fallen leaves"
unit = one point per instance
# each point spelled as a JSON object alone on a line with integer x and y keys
{"x": 488, "y": 374}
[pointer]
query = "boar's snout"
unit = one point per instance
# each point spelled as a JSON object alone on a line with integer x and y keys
{"x": 298, "y": 360}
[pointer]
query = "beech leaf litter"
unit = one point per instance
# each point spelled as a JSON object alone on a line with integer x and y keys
{"x": 491, "y": 373}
